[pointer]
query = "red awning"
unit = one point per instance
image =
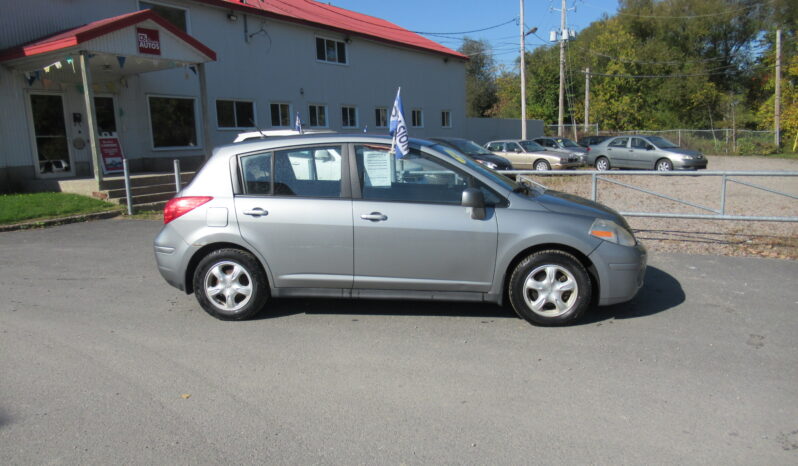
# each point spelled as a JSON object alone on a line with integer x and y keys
{"x": 72, "y": 37}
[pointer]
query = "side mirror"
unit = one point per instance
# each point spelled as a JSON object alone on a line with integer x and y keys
{"x": 474, "y": 199}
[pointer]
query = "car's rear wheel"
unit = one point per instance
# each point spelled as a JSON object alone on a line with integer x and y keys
{"x": 230, "y": 284}
{"x": 664, "y": 165}
{"x": 602, "y": 164}
{"x": 542, "y": 165}
{"x": 550, "y": 288}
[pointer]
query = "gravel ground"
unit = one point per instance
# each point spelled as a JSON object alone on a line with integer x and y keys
{"x": 715, "y": 237}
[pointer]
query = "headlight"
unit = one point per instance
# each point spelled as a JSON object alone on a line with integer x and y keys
{"x": 490, "y": 165}
{"x": 612, "y": 232}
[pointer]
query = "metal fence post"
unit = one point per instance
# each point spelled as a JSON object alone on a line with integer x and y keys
{"x": 680, "y": 138}
{"x": 177, "y": 175}
{"x": 128, "y": 196}
{"x": 595, "y": 187}
{"x": 723, "y": 196}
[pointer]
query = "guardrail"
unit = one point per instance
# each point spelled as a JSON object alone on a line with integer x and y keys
{"x": 717, "y": 214}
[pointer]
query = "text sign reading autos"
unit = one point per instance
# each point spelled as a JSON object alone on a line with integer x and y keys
{"x": 149, "y": 41}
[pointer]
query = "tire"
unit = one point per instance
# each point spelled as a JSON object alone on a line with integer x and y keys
{"x": 538, "y": 281}
{"x": 664, "y": 165}
{"x": 602, "y": 164}
{"x": 542, "y": 165}
{"x": 230, "y": 284}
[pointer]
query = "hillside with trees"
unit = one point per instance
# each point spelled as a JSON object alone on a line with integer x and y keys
{"x": 658, "y": 65}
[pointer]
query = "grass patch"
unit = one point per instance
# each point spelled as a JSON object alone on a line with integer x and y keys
{"x": 147, "y": 215}
{"x": 786, "y": 155}
{"x": 16, "y": 208}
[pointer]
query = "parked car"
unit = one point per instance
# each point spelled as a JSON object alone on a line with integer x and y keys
{"x": 563, "y": 146}
{"x": 588, "y": 141}
{"x": 476, "y": 152}
{"x": 529, "y": 155}
{"x": 432, "y": 224}
{"x": 644, "y": 152}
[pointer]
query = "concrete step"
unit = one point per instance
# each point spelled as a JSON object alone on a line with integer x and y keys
{"x": 146, "y": 199}
{"x": 118, "y": 182}
{"x": 140, "y": 190}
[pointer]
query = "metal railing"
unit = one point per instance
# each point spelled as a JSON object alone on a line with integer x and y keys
{"x": 716, "y": 214}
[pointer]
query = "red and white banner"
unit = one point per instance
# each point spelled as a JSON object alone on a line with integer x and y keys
{"x": 111, "y": 155}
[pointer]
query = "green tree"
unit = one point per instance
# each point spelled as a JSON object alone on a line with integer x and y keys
{"x": 480, "y": 81}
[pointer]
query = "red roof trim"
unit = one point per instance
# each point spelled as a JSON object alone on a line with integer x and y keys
{"x": 316, "y": 14}
{"x": 96, "y": 29}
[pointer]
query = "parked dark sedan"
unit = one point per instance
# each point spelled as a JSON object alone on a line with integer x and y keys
{"x": 644, "y": 152}
{"x": 476, "y": 152}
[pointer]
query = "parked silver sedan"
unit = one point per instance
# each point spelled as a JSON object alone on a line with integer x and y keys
{"x": 643, "y": 152}
{"x": 342, "y": 216}
{"x": 563, "y": 146}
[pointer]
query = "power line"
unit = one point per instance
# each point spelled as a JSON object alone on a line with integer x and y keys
{"x": 708, "y": 15}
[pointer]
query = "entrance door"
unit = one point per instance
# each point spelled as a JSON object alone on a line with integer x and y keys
{"x": 52, "y": 144}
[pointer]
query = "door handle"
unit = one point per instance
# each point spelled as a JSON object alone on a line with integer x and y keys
{"x": 374, "y": 217}
{"x": 256, "y": 212}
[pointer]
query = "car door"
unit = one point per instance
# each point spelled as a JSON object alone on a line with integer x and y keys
{"x": 296, "y": 210}
{"x": 410, "y": 231}
{"x": 618, "y": 152}
{"x": 520, "y": 159}
{"x": 640, "y": 156}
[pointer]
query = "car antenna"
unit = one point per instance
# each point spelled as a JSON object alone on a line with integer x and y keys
{"x": 262, "y": 134}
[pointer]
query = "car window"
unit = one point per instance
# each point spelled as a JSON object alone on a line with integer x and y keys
{"x": 496, "y": 146}
{"x": 307, "y": 172}
{"x": 619, "y": 142}
{"x": 416, "y": 177}
{"x": 548, "y": 143}
{"x": 638, "y": 143}
{"x": 531, "y": 146}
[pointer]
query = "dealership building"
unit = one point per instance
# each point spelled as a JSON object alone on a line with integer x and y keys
{"x": 83, "y": 83}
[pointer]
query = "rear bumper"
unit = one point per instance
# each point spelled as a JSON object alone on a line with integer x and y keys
{"x": 170, "y": 253}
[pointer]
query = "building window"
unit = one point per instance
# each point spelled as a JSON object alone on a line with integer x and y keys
{"x": 318, "y": 116}
{"x": 235, "y": 114}
{"x": 173, "y": 121}
{"x": 381, "y": 117}
{"x": 446, "y": 119}
{"x": 349, "y": 117}
{"x": 417, "y": 118}
{"x": 176, "y": 16}
{"x": 281, "y": 115}
{"x": 105, "y": 114}
{"x": 331, "y": 51}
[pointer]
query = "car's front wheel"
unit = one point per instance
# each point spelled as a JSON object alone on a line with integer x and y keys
{"x": 230, "y": 284}
{"x": 542, "y": 165}
{"x": 664, "y": 165}
{"x": 550, "y": 288}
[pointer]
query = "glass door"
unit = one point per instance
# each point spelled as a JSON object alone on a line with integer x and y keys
{"x": 52, "y": 144}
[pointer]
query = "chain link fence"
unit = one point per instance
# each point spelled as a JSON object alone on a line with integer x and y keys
{"x": 724, "y": 141}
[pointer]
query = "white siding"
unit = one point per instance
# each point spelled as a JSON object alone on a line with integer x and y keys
{"x": 278, "y": 65}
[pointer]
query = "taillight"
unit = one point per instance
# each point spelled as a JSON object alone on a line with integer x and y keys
{"x": 182, "y": 205}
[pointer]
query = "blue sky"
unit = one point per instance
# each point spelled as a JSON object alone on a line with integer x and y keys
{"x": 466, "y": 15}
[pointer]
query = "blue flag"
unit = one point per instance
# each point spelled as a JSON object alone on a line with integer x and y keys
{"x": 398, "y": 128}
{"x": 298, "y": 124}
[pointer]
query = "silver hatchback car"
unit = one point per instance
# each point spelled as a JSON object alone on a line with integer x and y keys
{"x": 342, "y": 216}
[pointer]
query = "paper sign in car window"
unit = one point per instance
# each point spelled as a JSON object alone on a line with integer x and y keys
{"x": 455, "y": 155}
{"x": 378, "y": 168}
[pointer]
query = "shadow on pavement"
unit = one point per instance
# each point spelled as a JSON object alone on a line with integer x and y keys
{"x": 659, "y": 293}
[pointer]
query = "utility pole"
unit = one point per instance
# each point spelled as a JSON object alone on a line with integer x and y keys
{"x": 563, "y": 36}
{"x": 777, "y": 110}
{"x": 523, "y": 74}
{"x": 587, "y": 99}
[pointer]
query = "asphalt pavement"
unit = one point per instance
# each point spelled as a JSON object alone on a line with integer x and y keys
{"x": 101, "y": 362}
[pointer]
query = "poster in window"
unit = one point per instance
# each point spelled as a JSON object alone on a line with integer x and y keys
{"x": 111, "y": 155}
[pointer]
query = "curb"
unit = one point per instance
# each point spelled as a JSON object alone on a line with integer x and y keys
{"x": 60, "y": 221}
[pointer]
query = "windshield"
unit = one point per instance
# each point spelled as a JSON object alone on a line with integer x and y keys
{"x": 531, "y": 146}
{"x": 469, "y": 147}
{"x": 567, "y": 142}
{"x": 662, "y": 143}
{"x": 485, "y": 171}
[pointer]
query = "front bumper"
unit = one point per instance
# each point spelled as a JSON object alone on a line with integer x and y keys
{"x": 621, "y": 271}
{"x": 566, "y": 165}
{"x": 689, "y": 164}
